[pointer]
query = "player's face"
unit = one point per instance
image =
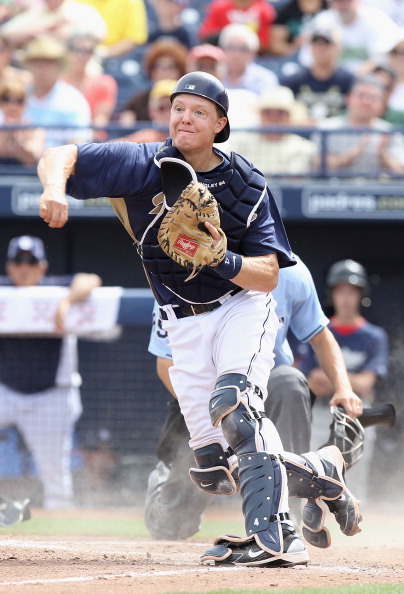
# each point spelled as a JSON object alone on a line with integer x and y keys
{"x": 194, "y": 123}
{"x": 346, "y": 299}
{"x": 25, "y": 271}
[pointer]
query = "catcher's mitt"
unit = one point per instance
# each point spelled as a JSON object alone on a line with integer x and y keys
{"x": 183, "y": 235}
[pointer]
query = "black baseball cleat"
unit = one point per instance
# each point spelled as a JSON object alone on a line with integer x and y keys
{"x": 345, "y": 508}
{"x": 233, "y": 550}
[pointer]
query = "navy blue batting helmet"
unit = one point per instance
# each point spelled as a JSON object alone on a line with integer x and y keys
{"x": 350, "y": 272}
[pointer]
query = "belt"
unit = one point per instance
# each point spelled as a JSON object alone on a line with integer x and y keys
{"x": 195, "y": 309}
{"x": 192, "y": 310}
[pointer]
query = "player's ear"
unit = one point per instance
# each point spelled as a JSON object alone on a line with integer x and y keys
{"x": 220, "y": 124}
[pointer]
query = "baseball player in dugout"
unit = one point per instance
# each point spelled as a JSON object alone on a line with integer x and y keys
{"x": 212, "y": 242}
{"x": 39, "y": 380}
{"x": 365, "y": 350}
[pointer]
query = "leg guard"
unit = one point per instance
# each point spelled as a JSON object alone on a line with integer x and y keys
{"x": 308, "y": 481}
{"x": 261, "y": 475}
{"x": 327, "y": 483}
{"x": 214, "y": 474}
{"x": 271, "y": 541}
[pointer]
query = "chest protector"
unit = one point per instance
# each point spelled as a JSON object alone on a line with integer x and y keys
{"x": 239, "y": 190}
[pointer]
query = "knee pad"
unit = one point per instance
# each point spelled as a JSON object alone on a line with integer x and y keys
{"x": 213, "y": 474}
{"x": 239, "y": 421}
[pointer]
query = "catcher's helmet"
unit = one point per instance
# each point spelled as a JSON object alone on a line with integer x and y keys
{"x": 350, "y": 272}
{"x": 347, "y": 434}
{"x": 208, "y": 86}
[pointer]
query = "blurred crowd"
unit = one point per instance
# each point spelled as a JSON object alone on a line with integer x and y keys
{"x": 327, "y": 75}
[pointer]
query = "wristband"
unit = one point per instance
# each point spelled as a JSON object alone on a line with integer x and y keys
{"x": 230, "y": 266}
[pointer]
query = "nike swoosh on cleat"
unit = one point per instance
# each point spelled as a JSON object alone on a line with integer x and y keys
{"x": 254, "y": 554}
{"x": 206, "y": 484}
{"x": 215, "y": 403}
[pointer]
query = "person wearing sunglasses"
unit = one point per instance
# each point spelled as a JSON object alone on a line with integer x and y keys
{"x": 159, "y": 110}
{"x": 39, "y": 379}
{"x": 84, "y": 71}
{"x": 17, "y": 146}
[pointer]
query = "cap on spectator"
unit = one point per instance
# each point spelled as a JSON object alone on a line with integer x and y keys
{"x": 282, "y": 98}
{"x": 206, "y": 50}
{"x": 327, "y": 34}
{"x": 26, "y": 243}
{"x": 279, "y": 98}
{"x": 44, "y": 47}
{"x": 162, "y": 88}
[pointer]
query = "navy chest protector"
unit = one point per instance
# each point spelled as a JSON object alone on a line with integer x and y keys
{"x": 239, "y": 191}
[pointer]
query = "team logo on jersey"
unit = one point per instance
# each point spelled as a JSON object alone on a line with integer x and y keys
{"x": 186, "y": 245}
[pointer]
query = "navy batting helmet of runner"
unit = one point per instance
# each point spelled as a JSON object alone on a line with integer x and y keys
{"x": 205, "y": 85}
{"x": 349, "y": 272}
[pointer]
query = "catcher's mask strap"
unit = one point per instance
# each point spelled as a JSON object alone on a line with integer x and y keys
{"x": 175, "y": 174}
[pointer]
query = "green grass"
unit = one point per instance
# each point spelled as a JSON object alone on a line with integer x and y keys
{"x": 53, "y": 526}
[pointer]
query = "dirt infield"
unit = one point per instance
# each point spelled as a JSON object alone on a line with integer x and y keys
{"x": 65, "y": 565}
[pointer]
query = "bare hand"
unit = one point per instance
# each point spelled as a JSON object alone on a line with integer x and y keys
{"x": 53, "y": 207}
{"x": 350, "y": 401}
{"x": 60, "y": 315}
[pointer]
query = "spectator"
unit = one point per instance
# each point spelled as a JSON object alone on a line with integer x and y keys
{"x": 365, "y": 350}
{"x": 7, "y": 70}
{"x": 206, "y": 57}
{"x": 388, "y": 77}
{"x": 395, "y": 104}
{"x": 291, "y": 17}
{"x": 39, "y": 381}
{"x": 394, "y": 9}
{"x": 277, "y": 153}
{"x": 159, "y": 108}
{"x": 18, "y": 147}
{"x": 241, "y": 46}
{"x": 163, "y": 59}
{"x": 59, "y": 18}
{"x": 363, "y": 151}
{"x": 126, "y": 22}
{"x": 257, "y": 15}
{"x": 212, "y": 59}
{"x": 52, "y": 101}
{"x": 84, "y": 72}
{"x": 323, "y": 86}
{"x": 169, "y": 23}
{"x": 365, "y": 31}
